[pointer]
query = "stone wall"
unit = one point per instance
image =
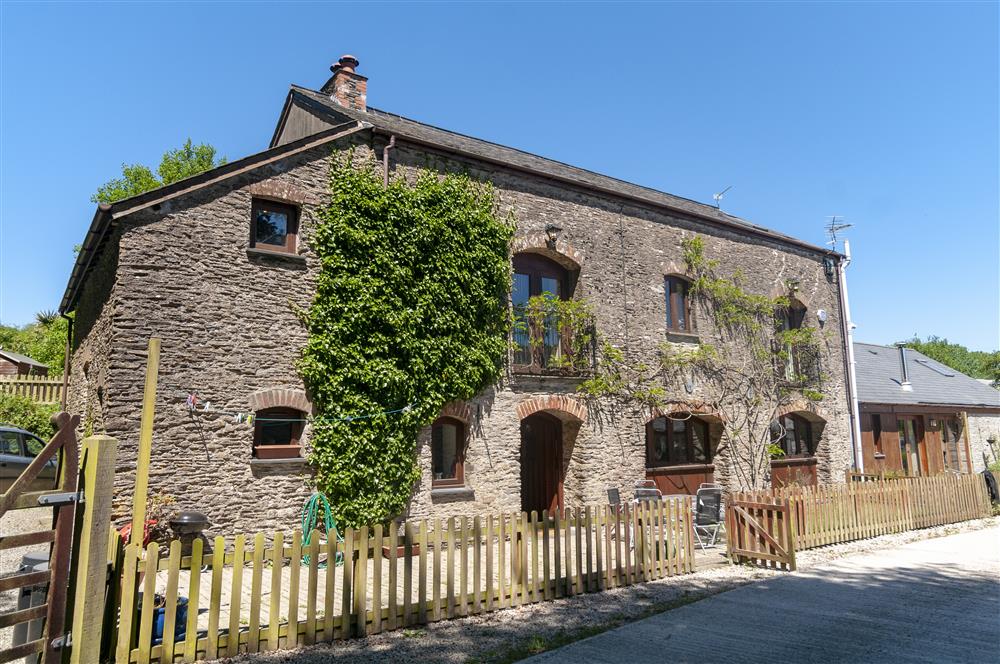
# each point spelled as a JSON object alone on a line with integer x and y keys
{"x": 982, "y": 427}
{"x": 226, "y": 317}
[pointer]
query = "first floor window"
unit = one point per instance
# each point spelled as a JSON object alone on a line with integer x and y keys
{"x": 794, "y": 434}
{"x": 676, "y": 440}
{"x": 447, "y": 451}
{"x": 678, "y": 305}
{"x": 277, "y": 427}
{"x": 274, "y": 226}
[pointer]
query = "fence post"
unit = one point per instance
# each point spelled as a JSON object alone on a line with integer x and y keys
{"x": 145, "y": 442}
{"x": 97, "y": 476}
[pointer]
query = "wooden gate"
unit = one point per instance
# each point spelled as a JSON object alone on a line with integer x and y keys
{"x": 759, "y": 530}
{"x": 60, "y": 538}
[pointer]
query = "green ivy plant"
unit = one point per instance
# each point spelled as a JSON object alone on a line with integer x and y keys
{"x": 410, "y": 313}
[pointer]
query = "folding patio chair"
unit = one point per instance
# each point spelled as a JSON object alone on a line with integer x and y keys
{"x": 708, "y": 515}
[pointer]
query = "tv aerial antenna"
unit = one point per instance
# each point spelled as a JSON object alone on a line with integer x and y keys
{"x": 834, "y": 226}
{"x": 718, "y": 197}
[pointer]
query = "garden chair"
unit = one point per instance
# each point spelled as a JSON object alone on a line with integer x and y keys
{"x": 708, "y": 515}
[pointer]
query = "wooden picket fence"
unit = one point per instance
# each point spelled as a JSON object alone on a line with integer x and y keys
{"x": 832, "y": 514}
{"x": 43, "y": 389}
{"x": 265, "y": 595}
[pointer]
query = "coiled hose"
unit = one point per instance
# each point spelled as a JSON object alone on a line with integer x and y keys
{"x": 316, "y": 504}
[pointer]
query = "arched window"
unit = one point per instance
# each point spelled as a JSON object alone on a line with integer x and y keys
{"x": 447, "y": 452}
{"x": 791, "y": 318}
{"x": 277, "y": 433}
{"x": 679, "y": 318}
{"x": 794, "y": 434}
{"x": 676, "y": 440}
{"x": 535, "y": 275}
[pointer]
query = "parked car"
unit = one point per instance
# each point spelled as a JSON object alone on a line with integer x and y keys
{"x": 17, "y": 449}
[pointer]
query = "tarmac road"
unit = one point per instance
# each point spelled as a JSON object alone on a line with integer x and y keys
{"x": 936, "y": 600}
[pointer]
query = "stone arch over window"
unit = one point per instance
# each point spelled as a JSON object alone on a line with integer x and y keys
{"x": 279, "y": 397}
{"x": 793, "y": 293}
{"x": 561, "y": 406}
{"x": 284, "y": 192}
{"x": 557, "y": 250}
{"x": 797, "y": 432}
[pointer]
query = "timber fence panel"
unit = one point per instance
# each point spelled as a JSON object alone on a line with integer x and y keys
{"x": 265, "y": 592}
{"x": 43, "y": 389}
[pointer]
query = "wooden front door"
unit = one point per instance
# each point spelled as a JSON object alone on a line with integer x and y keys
{"x": 912, "y": 448}
{"x": 541, "y": 463}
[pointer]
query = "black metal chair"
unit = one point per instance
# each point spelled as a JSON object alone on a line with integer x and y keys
{"x": 708, "y": 515}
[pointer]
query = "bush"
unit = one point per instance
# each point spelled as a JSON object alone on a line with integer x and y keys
{"x": 23, "y": 413}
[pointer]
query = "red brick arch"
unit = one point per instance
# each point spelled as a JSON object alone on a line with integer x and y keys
{"x": 562, "y": 404}
{"x": 458, "y": 410}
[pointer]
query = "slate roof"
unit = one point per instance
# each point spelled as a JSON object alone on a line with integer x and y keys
{"x": 879, "y": 376}
{"x": 17, "y": 358}
{"x": 416, "y": 132}
{"x": 406, "y": 128}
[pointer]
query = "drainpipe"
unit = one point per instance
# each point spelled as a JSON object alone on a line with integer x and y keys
{"x": 385, "y": 159}
{"x": 852, "y": 383}
{"x": 66, "y": 363}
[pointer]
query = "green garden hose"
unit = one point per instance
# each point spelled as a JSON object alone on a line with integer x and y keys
{"x": 311, "y": 520}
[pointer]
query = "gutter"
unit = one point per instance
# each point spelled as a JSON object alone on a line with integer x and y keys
{"x": 66, "y": 360}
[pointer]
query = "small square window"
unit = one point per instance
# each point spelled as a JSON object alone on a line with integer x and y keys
{"x": 274, "y": 226}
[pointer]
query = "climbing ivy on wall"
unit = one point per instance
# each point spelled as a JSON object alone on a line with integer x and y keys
{"x": 410, "y": 310}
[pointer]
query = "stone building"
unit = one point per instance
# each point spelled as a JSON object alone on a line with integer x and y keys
{"x": 216, "y": 264}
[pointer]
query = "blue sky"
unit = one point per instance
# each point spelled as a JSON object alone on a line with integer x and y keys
{"x": 886, "y": 114}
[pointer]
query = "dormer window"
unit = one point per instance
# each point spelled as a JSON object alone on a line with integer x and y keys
{"x": 274, "y": 227}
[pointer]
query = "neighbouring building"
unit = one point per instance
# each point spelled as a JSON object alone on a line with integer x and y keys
{"x": 216, "y": 264}
{"x": 15, "y": 364}
{"x": 921, "y": 417}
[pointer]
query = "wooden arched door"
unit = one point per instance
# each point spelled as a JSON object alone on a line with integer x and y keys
{"x": 541, "y": 463}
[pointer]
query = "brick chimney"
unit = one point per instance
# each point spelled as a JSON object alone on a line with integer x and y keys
{"x": 346, "y": 87}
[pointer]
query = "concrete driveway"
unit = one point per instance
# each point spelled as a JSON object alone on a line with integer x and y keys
{"x": 937, "y": 600}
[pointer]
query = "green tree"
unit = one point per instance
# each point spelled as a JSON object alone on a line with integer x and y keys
{"x": 44, "y": 340}
{"x": 175, "y": 165}
{"x": 25, "y": 413}
{"x": 975, "y": 363}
